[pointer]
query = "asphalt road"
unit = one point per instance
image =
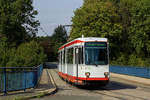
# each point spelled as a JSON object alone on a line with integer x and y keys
{"x": 117, "y": 89}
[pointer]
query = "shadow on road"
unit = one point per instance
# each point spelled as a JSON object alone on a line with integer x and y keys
{"x": 113, "y": 85}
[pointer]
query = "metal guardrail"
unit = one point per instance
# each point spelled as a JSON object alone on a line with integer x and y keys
{"x": 19, "y": 78}
{"x": 133, "y": 71}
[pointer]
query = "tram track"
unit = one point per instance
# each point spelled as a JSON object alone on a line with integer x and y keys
{"x": 138, "y": 85}
{"x": 119, "y": 95}
{"x": 90, "y": 91}
{"x": 107, "y": 92}
{"x": 49, "y": 80}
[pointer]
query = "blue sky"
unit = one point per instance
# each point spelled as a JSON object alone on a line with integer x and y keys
{"x": 55, "y": 12}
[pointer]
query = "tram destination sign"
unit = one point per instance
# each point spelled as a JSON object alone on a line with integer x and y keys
{"x": 96, "y": 44}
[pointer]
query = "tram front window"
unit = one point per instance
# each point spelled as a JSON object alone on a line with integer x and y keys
{"x": 96, "y": 53}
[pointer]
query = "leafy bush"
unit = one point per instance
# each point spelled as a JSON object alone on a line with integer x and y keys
{"x": 137, "y": 61}
{"x": 5, "y": 52}
{"x": 131, "y": 60}
{"x": 121, "y": 60}
{"x": 27, "y": 54}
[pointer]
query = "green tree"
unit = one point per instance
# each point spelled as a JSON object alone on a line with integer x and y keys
{"x": 5, "y": 52}
{"x": 124, "y": 22}
{"x": 27, "y": 54}
{"x": 17, "y": 20}
{"x": 139, "y": 30}
{"x": 58, "y": 38}
{"x": 98, "y": 18}
{"x": 135, "y": 20}
{"x": 46, "y": 43}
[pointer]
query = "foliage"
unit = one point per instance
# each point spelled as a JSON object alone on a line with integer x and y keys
{"x": 139, "y": 30}
{"x": 5, "y": 52}
{"x": 124, "y": 22}
{"x": 58, "y": 38}
{"x": 17, "y": 27}
{"x": 17, "y": 21}
{"x": 97, "y": 19}
{"x": 47, "y": 44}
{"x": 28, "y": 54}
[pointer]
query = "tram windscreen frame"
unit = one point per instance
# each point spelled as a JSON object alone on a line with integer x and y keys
{"x": 96, "y": 53}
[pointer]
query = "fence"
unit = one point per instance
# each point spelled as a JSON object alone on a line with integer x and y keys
{"x": 19, "y": 78}
{"x": 133, "y": 71}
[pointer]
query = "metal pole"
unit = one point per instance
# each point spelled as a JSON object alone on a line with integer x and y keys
{"x": 148, "y": 72}
{"x": 24, "y": 81}
{"x": 37, "y": 74}
{"x": 77, "y": 61}
{"x": 5, "y": 89}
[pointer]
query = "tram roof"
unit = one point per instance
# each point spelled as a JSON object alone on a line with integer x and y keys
{"x": 86, "y": 39}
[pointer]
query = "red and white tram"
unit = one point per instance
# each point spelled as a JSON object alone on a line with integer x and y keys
{"x": 85, "y": 61}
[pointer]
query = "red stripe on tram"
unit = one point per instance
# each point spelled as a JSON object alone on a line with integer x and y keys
{"x": 71, "y": 43}
{"x": 73, "y": 78}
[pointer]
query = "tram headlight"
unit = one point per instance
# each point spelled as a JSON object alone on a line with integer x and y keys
{"x": 87, "y": 74}
{"x": 106, "y": 74}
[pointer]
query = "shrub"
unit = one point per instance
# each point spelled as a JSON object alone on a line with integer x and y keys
{"x": 138, "y": 61}
{"x": 121, "y": 60}
{"x": 4, "y": 52}
{"x": 131, "y": 60}
{"x": 27, "y": 54}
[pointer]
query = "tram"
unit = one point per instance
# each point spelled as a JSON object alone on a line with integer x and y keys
{"x": 85, "y": 61}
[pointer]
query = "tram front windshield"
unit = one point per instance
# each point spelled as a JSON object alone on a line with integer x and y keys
{"x": 96, "y": 53}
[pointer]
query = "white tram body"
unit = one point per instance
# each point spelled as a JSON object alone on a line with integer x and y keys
{"x": 85, "y": 61}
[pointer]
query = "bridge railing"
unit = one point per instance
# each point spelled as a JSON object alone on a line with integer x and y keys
{"x": 133, "y": 71}
{"x": 19, "y": 78}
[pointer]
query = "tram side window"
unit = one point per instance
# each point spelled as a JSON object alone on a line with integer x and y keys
{"x": 60, "y": 58}
{"x": 80, "y": 56}
{"x": 70, "y": 56}
{"x": 64, "y": 57}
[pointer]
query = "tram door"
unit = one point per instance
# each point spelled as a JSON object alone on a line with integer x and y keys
{"x": 60, "y": 61}
{"x": 76, "y": 60}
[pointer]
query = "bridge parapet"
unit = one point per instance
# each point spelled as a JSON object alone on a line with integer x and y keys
{"x": 133, "y": 71}
{"x": 19, "y": 78}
